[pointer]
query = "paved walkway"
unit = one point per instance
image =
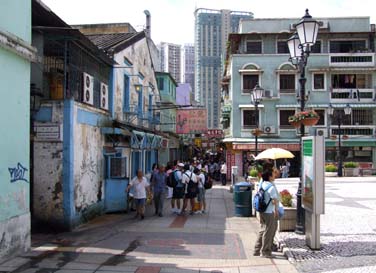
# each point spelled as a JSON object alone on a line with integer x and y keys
{"x": 213, "y": 242}
{"x": 348, "y": 229}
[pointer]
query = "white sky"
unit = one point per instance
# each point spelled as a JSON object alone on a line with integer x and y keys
{"x": 173, "y": 20}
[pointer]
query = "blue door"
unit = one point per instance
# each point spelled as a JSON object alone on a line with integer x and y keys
{"x": 115, "y": 184}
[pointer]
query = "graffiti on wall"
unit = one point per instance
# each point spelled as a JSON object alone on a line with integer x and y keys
{"x": 18, "y": 173}
{"x": 89, "y": 167}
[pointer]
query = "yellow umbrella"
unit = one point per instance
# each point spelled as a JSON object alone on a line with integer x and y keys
{"x": 274, "y": 153}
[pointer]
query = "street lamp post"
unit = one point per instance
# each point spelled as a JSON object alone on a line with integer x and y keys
{"x": 256, "y": 97}
{"x": 339, "y": 118}
{"x": 299, "y": 45}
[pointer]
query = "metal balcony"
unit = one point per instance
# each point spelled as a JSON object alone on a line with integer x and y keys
{"x": 362, "y": 59}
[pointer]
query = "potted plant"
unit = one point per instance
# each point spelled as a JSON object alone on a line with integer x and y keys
{"x": 294, "y": 121}
{"x": 253, "y": 173}
{"x": 351, "y": 168}
{"x": 331, "y": 170}
{"x": 288, "y": 221}
{"x": 308, "y": 118}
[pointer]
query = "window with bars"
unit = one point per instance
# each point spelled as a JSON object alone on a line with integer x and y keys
{"x": 284, "y": 118}
{"x": 316, "y": 48}
{"x": 249, "y": 82}
{"x": 282, "y": 47}
{"x": 249, "y": 119}
{"x": 287, "y": 83}
{"x": 347, "y": 46}
{"x": 362, "y": 117}
{"x": 357, "y": 117}
{"x": 253, "y": 47}
{"x": 351, "y": 81}
{"x": 318, "y": 81}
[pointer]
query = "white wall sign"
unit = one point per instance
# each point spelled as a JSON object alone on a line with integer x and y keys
{"x": 48, "y": 132}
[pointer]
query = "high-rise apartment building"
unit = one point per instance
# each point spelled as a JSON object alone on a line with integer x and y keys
{"x": 211, "y": 32}
{"x": 188, "y": 65}
{"x": 170, "y": 58}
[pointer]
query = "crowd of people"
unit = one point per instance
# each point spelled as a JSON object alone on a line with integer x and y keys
{"x": 185, "y": 183}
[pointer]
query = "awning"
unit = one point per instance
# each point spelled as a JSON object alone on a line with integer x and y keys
{"x": 298, "y": 106}
{"x": 250, "y": 106}
{"x": 354, "y": 105}
{"x": 137, "y": 140}
{"x": 351, "y": 143}
{"x": 347, "y": 69}
{"x": 114, "y": 131}
{"x": 226, "y": 108}
{"x": 253, "y": 71}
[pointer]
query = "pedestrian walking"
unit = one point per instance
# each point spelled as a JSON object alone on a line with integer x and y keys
{"x": 269, "y": 218}
{"x": 201, "y": 189}
{"x": 190, "y": 181}
{"x": 140, "y": 186}
{"x": 169, "y": 170}
{"x": 179, "y": 190}
{"x": 159, "y": 187}
{"x": 223, "y": 173}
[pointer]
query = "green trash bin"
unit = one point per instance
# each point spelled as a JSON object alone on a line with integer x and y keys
{"x": 243, "y": 199}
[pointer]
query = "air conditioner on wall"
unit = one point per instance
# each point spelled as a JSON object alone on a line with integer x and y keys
{"x": 269, "y": 129}
{"x": 104, "y": 96}
{"x": 268, "y": 93}
{"x": 88, "y": 89}
{"x": 322, "y": 132}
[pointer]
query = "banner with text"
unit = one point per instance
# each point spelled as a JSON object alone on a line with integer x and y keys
{"x": 191, "y": 121}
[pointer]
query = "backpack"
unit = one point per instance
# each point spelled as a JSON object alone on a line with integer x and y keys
{"x": 208, "y": 182}
{"x": 192, "y": 186}
{"x": 171, "y": 180}
{"x": 259, "y": 200}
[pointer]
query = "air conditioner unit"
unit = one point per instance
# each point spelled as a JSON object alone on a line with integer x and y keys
{"x": 88, "y": 89}
{"x": 324, "y": 24}
{"x": 268, "y": 93}
{"x": 269, "y": 129}
{"x": 322, "y": 132}
{"x": 104, "y": 96}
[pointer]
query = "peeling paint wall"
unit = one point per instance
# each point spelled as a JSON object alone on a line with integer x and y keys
{"x": 48, "y": 182}
{"x": 48, "y": 173}
{"x": 138, "y": 54}
{"x": 15, "y": 235}
{"x": 88, "y": 165}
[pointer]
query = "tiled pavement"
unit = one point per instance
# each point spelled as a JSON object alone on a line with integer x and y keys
{"x": 348, "y": 230}
{"x": 213, "y": 242}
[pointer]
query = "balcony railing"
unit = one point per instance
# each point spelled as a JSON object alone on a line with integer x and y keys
{"x": 132, "y": 116}
{"x": 353, "y": 95}
{"x": 364, "y": 59}
{"x": 353, "y": 130}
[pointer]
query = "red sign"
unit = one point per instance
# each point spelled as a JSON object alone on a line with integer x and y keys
{"x": 261, "y": 147}
{"x": 214, "y": 133}
{"x": 191, "y": 121}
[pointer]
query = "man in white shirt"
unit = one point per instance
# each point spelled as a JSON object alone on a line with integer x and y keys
{"x": 140, "y": 185}
{"x": 189, "y": 179}
{"x": 223, "y": 173}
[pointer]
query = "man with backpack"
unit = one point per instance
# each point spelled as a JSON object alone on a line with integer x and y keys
{"x": 175, "y": 180}
{"x": 189, "y": 179}
{"x": 268, "y": 208}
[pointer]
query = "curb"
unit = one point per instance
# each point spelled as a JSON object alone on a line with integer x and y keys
{"x": 285, "y": 249}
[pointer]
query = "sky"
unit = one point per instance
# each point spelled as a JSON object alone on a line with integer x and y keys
{"x": 172, "y": 21}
